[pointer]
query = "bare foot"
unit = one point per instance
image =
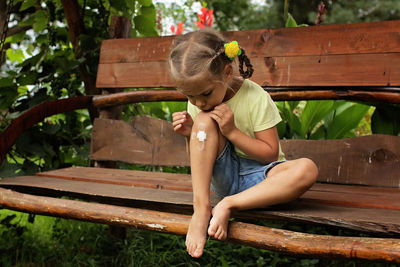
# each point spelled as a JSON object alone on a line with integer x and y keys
{"x": 219, "y": 222}
{"x": 197, "y": 233}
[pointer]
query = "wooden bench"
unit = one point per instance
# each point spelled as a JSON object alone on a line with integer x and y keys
{"x": 359, "y": 177}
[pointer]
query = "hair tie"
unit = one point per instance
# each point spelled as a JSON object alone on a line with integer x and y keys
{"x": 232, "y": 50}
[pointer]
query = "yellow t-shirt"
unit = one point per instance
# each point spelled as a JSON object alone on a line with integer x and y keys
{"x": 253, "y": 110}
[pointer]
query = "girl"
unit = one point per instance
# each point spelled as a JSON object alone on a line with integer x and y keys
{"x": 231, "y": 129}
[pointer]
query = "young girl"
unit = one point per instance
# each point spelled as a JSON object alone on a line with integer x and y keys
{"x": 231, "y": 129}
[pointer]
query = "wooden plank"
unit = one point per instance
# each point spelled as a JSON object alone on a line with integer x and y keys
{"x": 351, "y": 161}
{"x": 373, "y": 69}
{"x": 356, "y": 38}
{"x": 331, "y": 70}
{"x": 145, "y": 141}
{"x": 309, "y": 208}
{"x": 352, "y": 196}
{"x": 156, "y": 180}
{"x": 284, "y": 241}
{"x": 331, "y": 194}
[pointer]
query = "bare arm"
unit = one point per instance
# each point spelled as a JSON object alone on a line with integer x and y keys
{"x": 263, "y": 148}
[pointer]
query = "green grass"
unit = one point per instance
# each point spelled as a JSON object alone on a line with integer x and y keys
{"x": 46, "y": 241}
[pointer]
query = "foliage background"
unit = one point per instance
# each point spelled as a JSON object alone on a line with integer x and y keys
{"x": 46, "y": 58}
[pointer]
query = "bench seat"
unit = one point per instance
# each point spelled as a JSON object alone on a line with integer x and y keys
{"x": 361, "y": 208}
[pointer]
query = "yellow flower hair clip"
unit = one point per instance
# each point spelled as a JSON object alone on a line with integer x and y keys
{"x": 232, "y": 50}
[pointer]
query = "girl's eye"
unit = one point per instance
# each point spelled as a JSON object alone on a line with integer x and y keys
{"x": 208, "y": 93}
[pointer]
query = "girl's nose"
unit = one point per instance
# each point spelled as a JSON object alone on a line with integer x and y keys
{"x": 200, "y": 103}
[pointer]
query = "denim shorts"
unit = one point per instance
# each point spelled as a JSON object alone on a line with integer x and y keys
{"x": 233, "y": 174}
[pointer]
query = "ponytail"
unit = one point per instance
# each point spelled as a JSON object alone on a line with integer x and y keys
{"x": 243, "y": 59}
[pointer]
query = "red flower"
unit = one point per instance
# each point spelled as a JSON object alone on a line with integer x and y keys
{"x": 179, "y": 30}
{"x": 205, "y": 18}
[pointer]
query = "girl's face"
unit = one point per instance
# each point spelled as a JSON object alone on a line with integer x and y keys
{"x": 204, "y": 91}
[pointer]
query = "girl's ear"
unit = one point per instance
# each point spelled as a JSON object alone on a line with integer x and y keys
{"x": 228, "y": 72}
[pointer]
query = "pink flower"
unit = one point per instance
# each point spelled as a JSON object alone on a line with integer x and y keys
{"x": 205, "y": 18}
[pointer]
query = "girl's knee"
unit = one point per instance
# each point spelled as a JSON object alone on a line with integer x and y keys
{"x": 308, "y": 171}
{"x": 204, "y": 122}
{"x": 204, "y": 118}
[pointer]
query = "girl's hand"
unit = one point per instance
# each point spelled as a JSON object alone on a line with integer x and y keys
{"x": 182, "y": 123}
{"x": 223, "y": 115}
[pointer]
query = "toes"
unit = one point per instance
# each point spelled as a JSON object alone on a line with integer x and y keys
{"x": 218, "y": 233}
{"x": 212, "y": 229}
{"x": 197, "y": 252}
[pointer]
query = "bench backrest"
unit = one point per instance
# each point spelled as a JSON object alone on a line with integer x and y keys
{"x": 353, "y": 61}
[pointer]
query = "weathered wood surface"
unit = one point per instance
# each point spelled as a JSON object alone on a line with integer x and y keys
{"x": 155, "y": 180}
{"x": 37, "y": 114}
{"x": 371, "y": 209}
{"x": 365, "y": 160}
{"x": 331, "y": 194}
{"x": 299, "y": 244}
{"x": 368, "y": 55}
{"x": 283, "y": 94}
{"x": 345, "y": 161}
{"x": 140, "y": 142}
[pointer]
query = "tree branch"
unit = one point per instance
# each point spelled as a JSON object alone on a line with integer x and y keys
{"x": 73, "y": 14}
{"x": 17, "y": 29}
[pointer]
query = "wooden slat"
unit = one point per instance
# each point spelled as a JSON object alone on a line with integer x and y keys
{"x": 332, "y": 55}
{"x": 340, "y": 195}
{"x": 320, "y": 70}
{"x": 298, "y": 244}
{"x": 145, "y": 141}
{"x": 156, "y": 180}
{"x": 356, "y": 38}
{"x": 375, "y": 220}
{"x": 365, "y": 160}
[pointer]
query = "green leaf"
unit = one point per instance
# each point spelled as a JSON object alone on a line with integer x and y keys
{"x": 313, "y": 113}
{"x": 386, "y": 120}
{"x": 149, "y": 12}
{"x": 15, "y": 55}
{"x": 145, "y": 2}
{"x": 346, "y": 121}
{"x": 7, "y": 96}
{"x": 8, "y": 169}
{"x": 290, "y": 22}
{"x": 50, "y": 128}
{"x": 6, "y": 81}
{"x": 119, "y": 5}
{"x": 145, "y": 25}
{"x": 41, "y": 21}
{"x": 27, "y": 78}
{"x": 26, "y": 4}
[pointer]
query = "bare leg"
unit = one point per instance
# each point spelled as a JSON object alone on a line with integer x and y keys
{"x": 202, "y": 158}
{"x": 285, "y": 182}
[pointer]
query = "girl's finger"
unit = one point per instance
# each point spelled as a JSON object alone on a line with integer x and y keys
{"x": 177, "y": 127}
{"x": 215, "y": 117}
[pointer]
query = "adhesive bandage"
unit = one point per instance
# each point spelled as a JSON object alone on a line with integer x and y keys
{"x": 201, "y": 136}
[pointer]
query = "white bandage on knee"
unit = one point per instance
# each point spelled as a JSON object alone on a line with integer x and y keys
{"x": 201, "y": 135}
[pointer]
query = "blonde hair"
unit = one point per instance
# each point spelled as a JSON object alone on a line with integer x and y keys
{"x": 203, "y": 50}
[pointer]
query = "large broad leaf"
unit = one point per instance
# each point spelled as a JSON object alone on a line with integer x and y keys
{"x": 313, "y": 113}
{"x": 145, "y": 25}
{"x": 386, "y": 120}
{"x": 291, "y": 125}
{"x": 346, "y": 120}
